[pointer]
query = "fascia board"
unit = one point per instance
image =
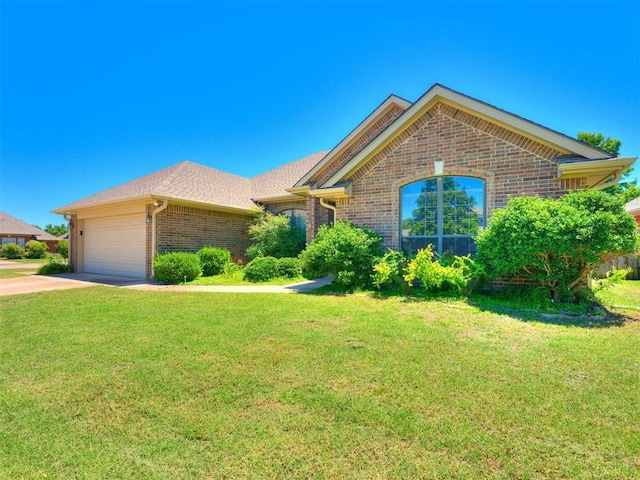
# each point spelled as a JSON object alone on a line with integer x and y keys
{"x": 384, "y": 106}
{"x": 595, "y": 166}
{"x": 279, "y": 198}
{"x": 438, "y": 93}
{"x": 70, "y": 210}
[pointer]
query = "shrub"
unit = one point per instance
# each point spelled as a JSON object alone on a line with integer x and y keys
{"x": 12, "y": 251}
{"x": 35, "y": 249}
{"x": 289, "y": 267}
{"x": 261, "y": 269}
{"x": 388, "y": 271}
{"x": 213, "y": 260}
{"x": 344, "y": 250}
{"x": 176, "y": 267}
{"x": 556, "y": 244}
{"x": 62, "y": 248}
{"x": 56, "y": 264}
{"x": 433, "y": 276}
{"x": 273, "y": 236}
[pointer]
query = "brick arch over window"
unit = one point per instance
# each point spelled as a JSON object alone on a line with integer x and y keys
{"x": 429, "y": 172}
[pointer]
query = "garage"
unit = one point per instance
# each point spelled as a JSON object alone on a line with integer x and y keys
{"x": 115, "y": 246}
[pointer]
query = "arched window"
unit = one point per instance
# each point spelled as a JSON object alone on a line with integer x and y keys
{"x": 297, "y": 218}
{"x": 445, "y": 211}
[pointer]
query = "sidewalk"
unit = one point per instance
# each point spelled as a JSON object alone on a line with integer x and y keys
{"x": 65, "y": 281}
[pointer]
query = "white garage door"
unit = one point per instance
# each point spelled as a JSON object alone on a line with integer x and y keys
{"x": 115, "y": 246}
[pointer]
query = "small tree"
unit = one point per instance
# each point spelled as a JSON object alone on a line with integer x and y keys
{"x": 556, "y": 243}
{"x": 273, "y": 236}
{"x": 35, "y": 249}
{"x": 346, "y": 251}
{"x": 213, "y": 260}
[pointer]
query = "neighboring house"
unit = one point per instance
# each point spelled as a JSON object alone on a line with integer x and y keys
{"x": 431, "y": 171}
{"x": 16, "y": 231}
{"x": 633, "y": 208}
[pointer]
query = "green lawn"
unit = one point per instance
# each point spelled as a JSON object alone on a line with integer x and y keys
{"x": 15, "y": 272}
{"x": 625, "y": 294}
{"x": 237, "y": 278}
{"x": 112, "y": 383}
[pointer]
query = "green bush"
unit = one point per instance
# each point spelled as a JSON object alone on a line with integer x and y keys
{"x": 289, "y": 267}
{"x": 213, "y": 260}
{"x": 56, "y": 264}
{"x": 176, "y": 267}
{"x": 261, "y": 269}
{"x": 426, "y": 271}
{"x": 12, "y": 251}
{"x": 388, "y": 271}
{"x": 62, "y": 248}
{"x": 556, "y": 244}
{"x": 35, "y": 249}
{"x": 273, "y": 236}
{"x": 345, "y": 251}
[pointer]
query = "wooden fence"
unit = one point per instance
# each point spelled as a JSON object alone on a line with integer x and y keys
{"x": 631, "y": 261}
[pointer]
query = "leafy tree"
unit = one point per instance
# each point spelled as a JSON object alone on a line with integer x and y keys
{"x": 556, "y": 244}
{"x": 62, "y": 248}
{"x": 598, "y": 140}
{"x": 55, "y": 230}
{"x": 626, "y": 190}
{"x": 273, "y": 236}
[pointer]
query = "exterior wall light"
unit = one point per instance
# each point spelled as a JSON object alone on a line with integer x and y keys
{"x": 438, "y": 166}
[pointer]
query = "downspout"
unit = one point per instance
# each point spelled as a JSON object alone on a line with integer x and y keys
{"x": 68, "y": 219}
{"x": 163, "y": 204}
{"x": 330, "y": 207}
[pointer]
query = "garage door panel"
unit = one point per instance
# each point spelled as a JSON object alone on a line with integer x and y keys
{"x": 115, "y": 246}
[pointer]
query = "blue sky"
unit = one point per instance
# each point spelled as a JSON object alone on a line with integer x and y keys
{"x": 97, "y": 93}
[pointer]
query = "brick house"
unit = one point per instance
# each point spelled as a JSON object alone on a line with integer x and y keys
{"x": 431, "y": 171}
{"x": 633, "y": 208}
{"x": 13, "y": 230}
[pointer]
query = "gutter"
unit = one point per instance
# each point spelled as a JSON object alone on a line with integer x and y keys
{"x": 324, "y": 203}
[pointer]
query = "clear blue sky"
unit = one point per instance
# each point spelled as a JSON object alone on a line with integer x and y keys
{"x": 97, "y": 93}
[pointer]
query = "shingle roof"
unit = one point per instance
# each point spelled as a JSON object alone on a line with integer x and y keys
{"x": 12, "y": 226}
{"x": 274, "y": 182}
{"x": 192, "y": 182}
{"x": 633, "y": 206}
{"x": 184, "y": 181}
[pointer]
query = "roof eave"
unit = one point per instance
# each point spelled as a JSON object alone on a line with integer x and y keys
{"x": 438, "y": 93}
{"x": 600, "y": 174}
{"x": 345, "y": 142}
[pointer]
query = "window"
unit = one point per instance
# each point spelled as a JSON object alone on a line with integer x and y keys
{"x": 7, "y": 240}
{"x": 297, "y": 218}
{"x": 444, "y": 211}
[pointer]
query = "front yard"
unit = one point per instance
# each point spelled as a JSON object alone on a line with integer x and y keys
{"x": 111, "y": 383}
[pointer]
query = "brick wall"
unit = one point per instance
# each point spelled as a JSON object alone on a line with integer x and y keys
{"x": 509, "y": 163}
{"x": 188, "y": 229}
{"x": 74, "y": 240}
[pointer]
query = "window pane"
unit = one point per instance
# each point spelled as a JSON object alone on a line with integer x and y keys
{"x": 458, "y": 245}
{"x": 411, "y": 245}
{"x": 419, "y": 208}
{"x": 462, "y": 201}
{"x": 297, "y": 218}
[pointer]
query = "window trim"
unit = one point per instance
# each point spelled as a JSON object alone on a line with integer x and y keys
{"x": 440, "y": 236}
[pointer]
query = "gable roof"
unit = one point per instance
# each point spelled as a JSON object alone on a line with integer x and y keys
{"x": 391, "y": 102}
{"x": 12, "y": 226}
{"x": 439, "y": 93}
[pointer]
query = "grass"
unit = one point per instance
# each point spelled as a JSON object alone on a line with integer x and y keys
{"x": 26, "y": 260}
{"x": 625, "y": 294}
{"x": 15, "y": 272}
{"x": 113, "y": 383}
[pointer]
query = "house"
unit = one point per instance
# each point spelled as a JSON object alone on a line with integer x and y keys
{"x": 633, "y": 208}
{"x": 16, "y": 231}
{"x": 431, "y": 171}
